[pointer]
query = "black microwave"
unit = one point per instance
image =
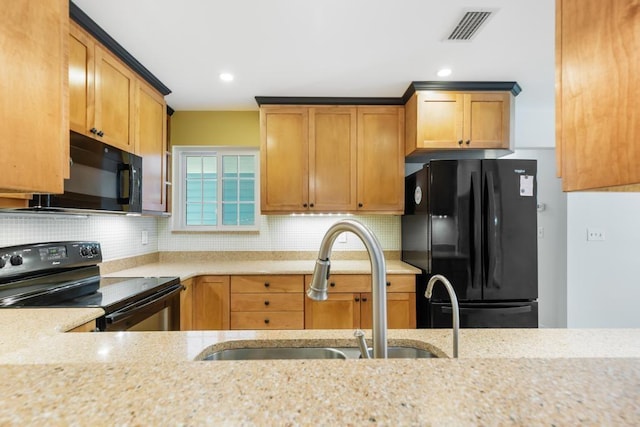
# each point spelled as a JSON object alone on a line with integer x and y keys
{"x": 102, "y": 178}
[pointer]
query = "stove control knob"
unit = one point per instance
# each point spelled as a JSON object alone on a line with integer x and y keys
{"x": 94, "y": 250}
{"x": 84, "y": 251}
{"x": 16, "y": 260}
{"x": 2, "y": 262}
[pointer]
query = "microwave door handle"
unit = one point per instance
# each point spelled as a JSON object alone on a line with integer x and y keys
{"x": 120, "y": 197}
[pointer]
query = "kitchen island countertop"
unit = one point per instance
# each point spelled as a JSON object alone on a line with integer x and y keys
{"x": 504, "y": 376}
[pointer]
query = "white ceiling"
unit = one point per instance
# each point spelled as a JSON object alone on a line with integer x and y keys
{"x": 343, "y": 48}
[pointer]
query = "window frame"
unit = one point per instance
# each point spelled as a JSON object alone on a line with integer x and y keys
{"x": 179, "y": 216}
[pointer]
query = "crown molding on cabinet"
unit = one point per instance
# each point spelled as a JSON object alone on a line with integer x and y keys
{"x": 512, "y": 87}
{"x": 101, "y": 35}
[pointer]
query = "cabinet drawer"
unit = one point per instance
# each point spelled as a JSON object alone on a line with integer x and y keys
{"x": 401, "y": 283}
{"x": 346, "y": 282}
{"x": 270, "y": 283}
{"x": 267, "y": 320}
{"x": 268, "y": 302}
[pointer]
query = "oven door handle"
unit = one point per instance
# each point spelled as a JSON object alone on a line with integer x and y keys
{"x": 149, "y": 302}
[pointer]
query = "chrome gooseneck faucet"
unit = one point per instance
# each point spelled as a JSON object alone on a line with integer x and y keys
{"x": 454, "y": 306}
{"x": 318, "y": 287}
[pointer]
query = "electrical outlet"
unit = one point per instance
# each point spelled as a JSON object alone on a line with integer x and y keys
{"x": 145, "y": 237}
{"x": 595, "y": 234}
{"x": 540, "y": 232}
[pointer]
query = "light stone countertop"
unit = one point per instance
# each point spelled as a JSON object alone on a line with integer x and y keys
{"x": 504, "y": 376}
{"x": 188, "y": 269}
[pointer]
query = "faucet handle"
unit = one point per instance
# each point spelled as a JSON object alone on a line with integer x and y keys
{"x": 362, "y": 344}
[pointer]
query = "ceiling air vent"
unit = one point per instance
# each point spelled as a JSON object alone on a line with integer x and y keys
{"x": 469, "y": 25}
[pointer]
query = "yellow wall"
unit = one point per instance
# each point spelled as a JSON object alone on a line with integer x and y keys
{"x": 215, "y": 128}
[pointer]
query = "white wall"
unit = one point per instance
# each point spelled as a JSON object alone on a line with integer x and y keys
{"x": 120, "y": 236}
{"x": 603, "y": 276}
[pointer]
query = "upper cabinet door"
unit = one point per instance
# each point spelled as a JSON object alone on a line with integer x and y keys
{"x": 487, "y": 120}
{"x": 101, "y": 92}
{"x": 332, "y": 159}
{"x": 440, "y": 119}
{"x": 114, "y": 92}
{"x": 81, "y": 77}
{"x": 598, "y": 94}
{"x": 380, "y": 159}
{"x": 284, "y": 159}
{"x": 34, "y": 87}
{"x": 151, "y": 131}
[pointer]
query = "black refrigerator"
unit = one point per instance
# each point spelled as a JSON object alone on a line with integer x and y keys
{"x": 474, "y": 222}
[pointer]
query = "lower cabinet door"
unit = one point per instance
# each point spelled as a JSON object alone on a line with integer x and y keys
{"x": 339, "y": 311}
{"x": 401, "y": 310}
{"x": 267, "y": 320}
{"x": 211, "y": 303}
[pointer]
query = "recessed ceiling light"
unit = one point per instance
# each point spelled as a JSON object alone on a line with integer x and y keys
{"x": 444, "y": 72}
{"x": 226, "y": 77}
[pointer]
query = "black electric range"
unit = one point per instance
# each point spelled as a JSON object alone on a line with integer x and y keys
{"x": 66, "y": 274}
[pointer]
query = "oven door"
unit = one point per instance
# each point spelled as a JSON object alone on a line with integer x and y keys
{"x": 157, "y": 312}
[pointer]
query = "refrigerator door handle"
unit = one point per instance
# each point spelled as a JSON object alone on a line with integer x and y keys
{"x": 491, "y": 237}
{"x": 499, "y": 310}
{"x": 475, "y": 226}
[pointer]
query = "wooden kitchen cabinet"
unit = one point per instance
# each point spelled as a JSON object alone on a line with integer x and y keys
{"x": 442, "y": 120}
{"x": 380, "y": 160}
{"x": 151, "y": 145}
{"x": 332, "y": 159}
{"x": 598, "y": 94}
{"x": 34, "y": 87}
{"x": 186, "y": 305}
{"x": 211, "y": 303}
{"x": 101, "y": 92}
{"x": 350, "y": 304}
{"x": 308, "y": 159}
{"x": 267, "y": 302}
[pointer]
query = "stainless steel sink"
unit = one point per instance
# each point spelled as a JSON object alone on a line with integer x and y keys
{"x": 271, "y": 353}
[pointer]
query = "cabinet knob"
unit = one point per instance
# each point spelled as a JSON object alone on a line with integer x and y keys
{"x": 364, "y": 299}
{"x": 100, "y": 133}
{"x": 93, "y": 130}
{"x": 332, "y": 284}
{"x": 357, "y": 299}
{"x": 468, "y": 141}
{"x": 266, "y": 284}
{"x": 360, "y": 205}
{"x": 388, "y": 283}
{"x": 459, "y": 142}
{"x": 304, "y": 205}
{"x": 266, "y": 321}
{"x": 311, "y": 205}
{"x": 266, "y": 302}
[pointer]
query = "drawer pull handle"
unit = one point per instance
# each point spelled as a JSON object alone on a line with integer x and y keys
{"x": 266, "y": 302}
{"x": 266, "y": 284}
{"x": 266, "y": 321}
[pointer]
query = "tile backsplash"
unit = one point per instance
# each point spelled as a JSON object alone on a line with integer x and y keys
{"x": 281, "y": 233}
{"x": 122, "y": 236}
